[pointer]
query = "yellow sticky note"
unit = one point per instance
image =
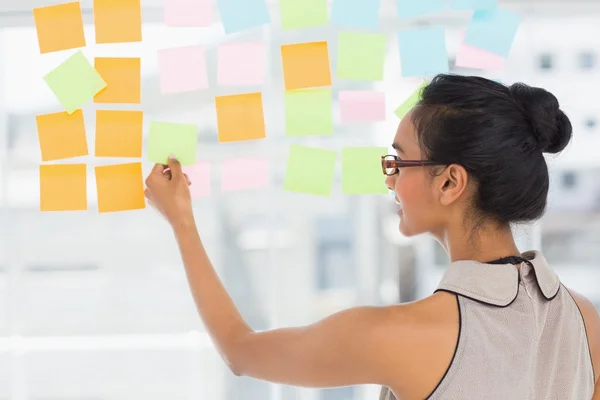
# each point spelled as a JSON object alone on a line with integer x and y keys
{"x": 63, "y": 187}
{"x": 305, "y": 65}
{"x": 120, "y": 187}
{"x": 118, "y": 21}
{"x": 62, "y": 135}
{"x": 122, "y": 77}
{"x": 119, "y": 133}
{"x": 59, "y": 27}
{"x": 240, "y": 117}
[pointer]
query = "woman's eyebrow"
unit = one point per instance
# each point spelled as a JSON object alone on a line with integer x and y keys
{"x": 397, "y": 147}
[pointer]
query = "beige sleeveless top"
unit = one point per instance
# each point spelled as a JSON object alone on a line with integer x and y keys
{"x": 522, "y": 336}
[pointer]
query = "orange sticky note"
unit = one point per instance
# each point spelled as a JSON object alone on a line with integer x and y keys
{"x": 120, "y": 187}
{"x": 122, "y": 77}
{"x": 63, "y": 187}
{"x": 119, "y": 133}
{"x": 118, "y": 21}
{"x": 59, "y": 27}
{"x": 62, "y": 135}
{"x": 305, "y": 65}
{"x": 240, "y": 117}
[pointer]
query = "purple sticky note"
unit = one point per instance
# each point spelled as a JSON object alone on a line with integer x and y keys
{"x": 241, "y": 63}
{"x": 188, "y": 12}
{"x": 244, "y": 174}
{"x": 362, "y": 106}
{"x": 182, "y": 69}
{"x": 199, "y": 175}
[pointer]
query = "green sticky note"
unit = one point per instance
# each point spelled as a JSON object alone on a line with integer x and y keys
{"x": 298, "y": 14}
{"x": 75, "y": 82}
{"x": 361, "y": 56}
{"x": 308, "y": 112}
{"x": 361, "y": 170}
{"x": 409, "y": 103}
{"x": 310, "y": 170}
{"x": 169, "y": 138}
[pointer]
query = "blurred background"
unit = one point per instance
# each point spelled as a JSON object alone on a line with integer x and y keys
{"x": 96, "y": 307}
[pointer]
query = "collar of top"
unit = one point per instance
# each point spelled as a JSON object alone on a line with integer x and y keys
{"x": 498, "y": 284}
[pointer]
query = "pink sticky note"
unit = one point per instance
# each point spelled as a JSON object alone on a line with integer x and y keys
{"x": 199, "y": 175}
{"x": 472, "y": 57}
{"x": 362, "y": 106}
{"x": 241, "y": 64}
{"x": 182, "y": 69}
{"x": 244, "y": 173}
{"x": 188, "y": 12}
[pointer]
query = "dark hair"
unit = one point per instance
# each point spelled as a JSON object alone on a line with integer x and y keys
{"x": 498, "y": 134}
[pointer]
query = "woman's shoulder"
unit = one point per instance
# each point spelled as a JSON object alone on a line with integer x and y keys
{"x": 427, "y": 333}
{"x": 592, "y": 324}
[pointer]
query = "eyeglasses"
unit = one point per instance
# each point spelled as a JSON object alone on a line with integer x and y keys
{"x": 391, "y": 165}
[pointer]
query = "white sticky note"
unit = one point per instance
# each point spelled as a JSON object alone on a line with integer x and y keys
{"x": 241, "y": 64}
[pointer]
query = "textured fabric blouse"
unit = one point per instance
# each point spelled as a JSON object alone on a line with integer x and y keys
{"x": 521, "y": 337}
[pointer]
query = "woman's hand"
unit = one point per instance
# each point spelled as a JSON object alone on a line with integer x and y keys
{"x": 167, "y": 190}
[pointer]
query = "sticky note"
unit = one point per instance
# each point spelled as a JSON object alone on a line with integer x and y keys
{"x": 361, "y": 170}
{"x": 305, "y": 65}
{"x": 75, "y": 82}
{"x": 120, "y": 187}
{"x": 361, "y": 56}
{"x": 411, "y": 8}
{"x": 119, "y": 133}
{"x": 240, "y": 117}
{"x": 118, "y": 21}
{"x": 63, "y": 187}
{"x": 310, "y": 170}
{"x": 123, "y": 80}
{"x": 182, "y": 69}
{"x": 412, "y": 101}
{"x": 167, "y": 138}
{"x": 362, "y": 14}
{"x": 472, "y": 57}
{"x": 62, "y": 135}
{"x": 244, "y": 174}
{"x": 240, "y": 15}
{"x": 298, "y": 14}
{"x": 423, "y": 52}
{"x": 308, "y": 112}
{"x": 200, "y": 176}
{"x": 188, "y": 13}
{"x": 493, "y": 30}
{"x": 242, "y": 63}
{"x": 59, "y": 27}
{"x": 361, "y": 106}
{"x": 472, "y": 4}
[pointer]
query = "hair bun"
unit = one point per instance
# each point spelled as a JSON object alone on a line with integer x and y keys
{"x": 551, "y": 127}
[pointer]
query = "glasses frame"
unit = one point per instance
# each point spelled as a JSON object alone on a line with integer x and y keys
{"x": 391, "y": 161}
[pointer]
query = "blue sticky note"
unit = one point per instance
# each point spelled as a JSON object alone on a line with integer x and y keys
{"x": 493, "y": 30}
{"x": 423, "y": 52}
{"x": 472, "y": 4}
{"x": 355, "y": 13}
{"x": 415, "y": 8}
{"x": 239, "y": 15}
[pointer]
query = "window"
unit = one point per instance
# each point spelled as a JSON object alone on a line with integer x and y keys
{"x": 590, "y": 123}
{"x": 587, "y": 60}
{"x": 342, "y": 393}
{"x": 335, "y": 257}
{"x": 569, "y": 180}
{"x": 546, "y": 61}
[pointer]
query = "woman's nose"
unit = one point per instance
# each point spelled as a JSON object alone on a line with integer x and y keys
{"x": 389, "y": 182}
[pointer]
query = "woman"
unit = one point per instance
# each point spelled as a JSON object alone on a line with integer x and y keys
{"x": 469, "y": 162}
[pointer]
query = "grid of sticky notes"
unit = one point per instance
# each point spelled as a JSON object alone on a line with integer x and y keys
{"x": 78, "y": 81}
{"x": 307, "y": 77}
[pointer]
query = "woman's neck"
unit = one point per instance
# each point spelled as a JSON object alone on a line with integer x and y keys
{"x": 486, "y": 245}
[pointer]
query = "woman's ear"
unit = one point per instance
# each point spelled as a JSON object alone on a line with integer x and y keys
{"x": 454, "y": 181}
